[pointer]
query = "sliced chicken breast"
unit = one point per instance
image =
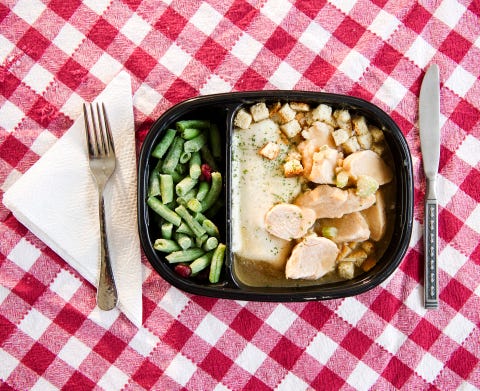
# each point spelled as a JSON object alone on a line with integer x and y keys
{"x": 316, "y": 136}
{"x": 312, "y": 258}
{"x": 356, "y": 203}
{"x": 351, "y": 227}
{"x": 321, "y": 133}
{"x": 289, "y": 221}
{"x": 376, "y": 217}
{"x": 330, "y": 201}
{"x": 368, "y": 163}
{"x": 323, "y": 166}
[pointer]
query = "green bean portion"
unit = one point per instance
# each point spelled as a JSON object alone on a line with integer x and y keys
{"x": 184, "y": 188}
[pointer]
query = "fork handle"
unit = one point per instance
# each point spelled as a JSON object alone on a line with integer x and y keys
{"x": 106, "y": 292}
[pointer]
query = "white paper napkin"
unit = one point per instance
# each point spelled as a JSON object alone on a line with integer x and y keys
{"x": 57, "y": 200}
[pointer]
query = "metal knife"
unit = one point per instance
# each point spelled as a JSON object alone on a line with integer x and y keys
{"x": 429, "y": 118}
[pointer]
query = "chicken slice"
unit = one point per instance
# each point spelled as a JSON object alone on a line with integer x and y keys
{"x": 312, "y": 258}
{"x": 376, "y": 217}
{"x": 351, "y": 227}
{"x": 307, "y": 148}
{"x": 368, "y": 163}
{"x": 325, "y": 200}
{"x": 356, "y": 203}
{"x": 289, "y": 221}
{"x": 321, "y": 133}
{"x": 331, "y": 202}
{"x": 323, "y": 166}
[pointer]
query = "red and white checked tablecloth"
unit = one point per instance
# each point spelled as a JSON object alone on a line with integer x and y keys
{"x": 56, "y": 54}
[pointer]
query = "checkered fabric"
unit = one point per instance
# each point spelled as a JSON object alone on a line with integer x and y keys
{"x": 56, "y": 54}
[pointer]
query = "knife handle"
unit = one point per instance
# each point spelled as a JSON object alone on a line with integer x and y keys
{"x": 431, "y": 251}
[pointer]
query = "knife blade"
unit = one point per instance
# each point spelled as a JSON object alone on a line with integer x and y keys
{"x": 429, "y": 125}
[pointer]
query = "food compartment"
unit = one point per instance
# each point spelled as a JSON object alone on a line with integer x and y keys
{"x": 312, "y": 193}
{"x": 183, "y": 195}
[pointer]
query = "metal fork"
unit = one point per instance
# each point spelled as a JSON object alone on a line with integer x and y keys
{"x": 101, "y": 155}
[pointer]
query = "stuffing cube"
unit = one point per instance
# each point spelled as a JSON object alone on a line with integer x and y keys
{"x": 292, "y": 168}
{"x": 340, "y": 136}
{"x": 270, "y": 150}
{"x": 300, "y": 106}
{"x": 346, "y": 270}
{"x": 274, "y": 108}
{"x": 376, "y": 133}
{"x": 243, "y": 119}
{"x": 378, "y": 148}
{"x": 259, "y": 111}
{"x": 323, "y": 113}
{"x": 351, "y": 145}
{"x": 343, "y": 119}
{"x": 286, "y": 114}
{"x": 365, "y": 140}
{"x": 291, "y": 128}
{"x": 360, "y": 125}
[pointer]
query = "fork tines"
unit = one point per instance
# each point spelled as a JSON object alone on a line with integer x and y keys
{"x": 99, "y": 135}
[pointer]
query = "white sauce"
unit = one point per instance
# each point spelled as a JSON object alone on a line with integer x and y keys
{"x": 258, "y": 184}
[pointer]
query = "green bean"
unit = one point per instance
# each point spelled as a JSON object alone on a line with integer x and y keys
{"x": 208, "y": 157}
{"x": 164, "y": 143}
{"x": 154, "y": 184}
{"x": 181, "y": 169}
{"x": 216, "y": 264}
{"x": 173, "y": 155}
{"x": 189, "y": 133}
{"x": 185, "y": 157}
{"x": 185, "y": 185}
{"x": 184, "y": 229}
{"x": 166, "y": 188}
{"x": 215, "y": 141}
{"x": 166, "y": 245}
{"x": 184, "y": 241}
{"x": 192, "y": 123}
{"x": 200, "y": 217}
{"x": 183, "y": 200}
{"x": 194, "y": 205}
{"x": 203, "y": 188}
{"x": 167, "y": 230}
{"x": 195, "y": 144}
{"x": 201, "y": 263}
{"x": 214, "y": 192}
{"x": 210, "y": 244}
{"x": 211, "y": 228}
{"x": 185, "y": 255}
{"x": 177, "y": 177}
{"x": 195, "y": 163}
{"x": 164, "y": 211}
{"x": 194, "y": 225}
{"x": 200, "y": 240}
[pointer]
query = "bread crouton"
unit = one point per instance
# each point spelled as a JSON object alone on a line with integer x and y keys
{"x": 365, "y": 140}
{"x": 346, "y": 270}
{"x": 292, "y": 168}
{"x": 286, "y": 114}
{"x": 351, "y": 145}
{"x": 323, "y": 113}
{"x": 270, "y": 150}
{"x": 243, "y": 119}
{"x": 359, "y": 125}
{"x": 259, "y": 111}
{"x": 300, "y": 106}
{"x": 291, "y": 128}
{"x": 376, "y": 133}
{"x": 343, "y": 119}
{"x": 378, "y": 148}
{"x": 340, "y": 136}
